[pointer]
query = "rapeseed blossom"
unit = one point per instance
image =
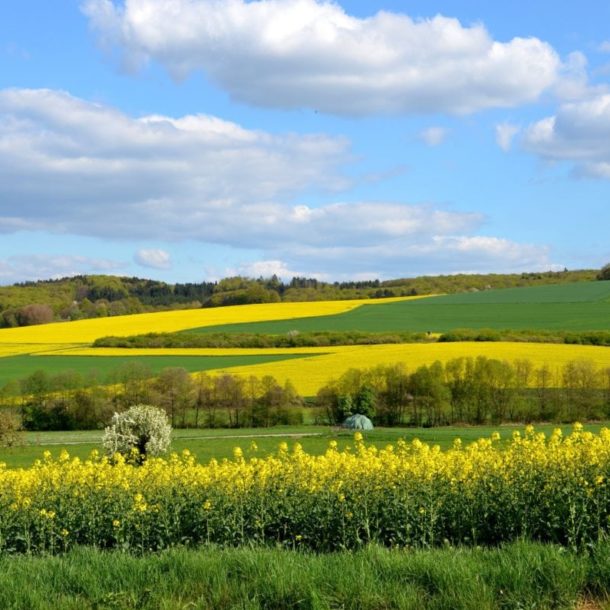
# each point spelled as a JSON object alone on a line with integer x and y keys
{"x": 551, "y": 488}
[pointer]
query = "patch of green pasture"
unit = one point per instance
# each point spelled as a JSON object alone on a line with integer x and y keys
{"x": 219, "y": 443}
{"x": 18, "y": 367}
{"x": 580, "y": 306}
{"x": 518, "y": 575}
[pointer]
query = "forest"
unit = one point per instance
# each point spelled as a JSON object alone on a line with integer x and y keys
{"x": 92, "y": 296}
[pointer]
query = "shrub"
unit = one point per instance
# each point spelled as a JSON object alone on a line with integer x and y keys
{"x": 604, "y": 273}
{"x": 10, "y": 429}
{"x": 142, "y": 430}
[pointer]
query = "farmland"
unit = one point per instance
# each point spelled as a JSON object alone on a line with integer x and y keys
{"x": 17, "y": 367}
{"x": 310, "y": 368}
{"x": 547, "y": 487}
{"x": 219, "y": 444}
{"x": 578, "y": 306}
{"x": 311, "y": 488}
{"x": 86, "y": 331}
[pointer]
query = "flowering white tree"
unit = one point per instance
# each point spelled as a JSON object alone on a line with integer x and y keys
{"x": 142, "y": 427}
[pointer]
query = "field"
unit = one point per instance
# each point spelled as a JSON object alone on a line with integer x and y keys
{"x": 585, "y": 305}
{"x": 517, "y": 576}
{"x": 534, "y": 486}
{"x": 17, "y": 367}
{"x": 310, "y": 368}
{"x": 219, "y": 444}
{"x": 288, "y": 491}
{"x": 310, "y": 373}
{"x": 84, "y": 332}
{"x": 581, "y": 306}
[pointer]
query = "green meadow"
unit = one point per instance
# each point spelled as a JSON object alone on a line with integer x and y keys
{"x": 578, "y": 306}
{"x": 218, "y": 444}
{"x": 18, "y": 367}
{"x": 517, "y": 576}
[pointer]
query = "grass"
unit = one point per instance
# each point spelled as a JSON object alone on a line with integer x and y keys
{"x": 580, "y": 306}
{"x": 18, "y": 367}
{"x": 219, "y": 444}
{"x": 514, "y": 577}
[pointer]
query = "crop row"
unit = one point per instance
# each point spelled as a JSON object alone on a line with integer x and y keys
{"x": 554, "y": 489}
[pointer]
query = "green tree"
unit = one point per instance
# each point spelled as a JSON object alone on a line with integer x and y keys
{"x": 604, "y": 273}
{"x": 365, "y": 401}
{"x": 175, "y": 389}
{"x": 431, "y": 396}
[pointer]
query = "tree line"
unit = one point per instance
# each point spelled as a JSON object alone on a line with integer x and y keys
{"x": 470, "y": 391}
{"x": 295, "y": 338}
{"x": 462, "y": 391}
{"x": 90, "y": 296}
{"x": 72, "y": 401}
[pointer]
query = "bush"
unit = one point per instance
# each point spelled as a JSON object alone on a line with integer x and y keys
{"x": 10, "y": 429}
{"x": 142, "y": 429}
{"x": 604, "y": 273}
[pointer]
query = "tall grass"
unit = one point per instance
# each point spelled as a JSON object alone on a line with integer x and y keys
{"x": 517, "y": 576}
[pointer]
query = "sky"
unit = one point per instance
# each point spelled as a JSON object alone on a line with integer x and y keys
{"x": 190, "y": 140}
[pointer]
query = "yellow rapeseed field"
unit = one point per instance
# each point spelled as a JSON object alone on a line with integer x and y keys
{"x": 310, "y": 373}
{"x": 321, "y": 364}
{"x": 87, "y": 331}
{"x": 553, "y": 489}
{"x": 15, "y": 349}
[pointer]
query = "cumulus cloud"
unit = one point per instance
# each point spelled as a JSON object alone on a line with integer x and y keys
{"x": 431, "y": 255}
{"x": 309, "y": 53}
{"x": 578, "y": 133}
{"x": 153, "y": 258}
{"x": 505, "y": 132}
{"x": 266, "y": 268}
{"x": 37, "y": 267}
{"x": 69, "y": 166}
{"x": 433, "y": 136}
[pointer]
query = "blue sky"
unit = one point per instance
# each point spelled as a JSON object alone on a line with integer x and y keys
{"x": 188, "y": 140}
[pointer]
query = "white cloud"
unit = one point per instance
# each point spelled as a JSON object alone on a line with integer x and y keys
{"x": 153, "y": 258}
{"x": 578, "y": 133}
{"x": 69, "y": 166}
{"x": 309, "y": 53}
{"x": 604, "y": 47}
{"x": 573, "y": 82}
{"x": 505, "y": 132}
{"x": 41, "y": 267}
{"x": 431, "y": 255}
{"x": 266, "y": 268}
{"x": 433, "y": 136}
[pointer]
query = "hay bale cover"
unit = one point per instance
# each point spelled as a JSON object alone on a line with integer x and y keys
{"x": 358, "y": 422}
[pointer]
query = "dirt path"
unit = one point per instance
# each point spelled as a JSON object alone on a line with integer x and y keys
{"x": 190, "y": 438}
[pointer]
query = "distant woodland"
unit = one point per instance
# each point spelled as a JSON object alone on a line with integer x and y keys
{"x": 91, "y": 296}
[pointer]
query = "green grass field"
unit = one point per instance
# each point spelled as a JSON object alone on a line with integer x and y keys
{"x": 18, "y": 367}
{"x": 518, "y": 576}
{"x": 219, "y": 444}
{"x": 579, "y": 306}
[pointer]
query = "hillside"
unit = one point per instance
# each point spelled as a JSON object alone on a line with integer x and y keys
{"x": 93, "y": 296}
{"x": 577, "y": 306}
